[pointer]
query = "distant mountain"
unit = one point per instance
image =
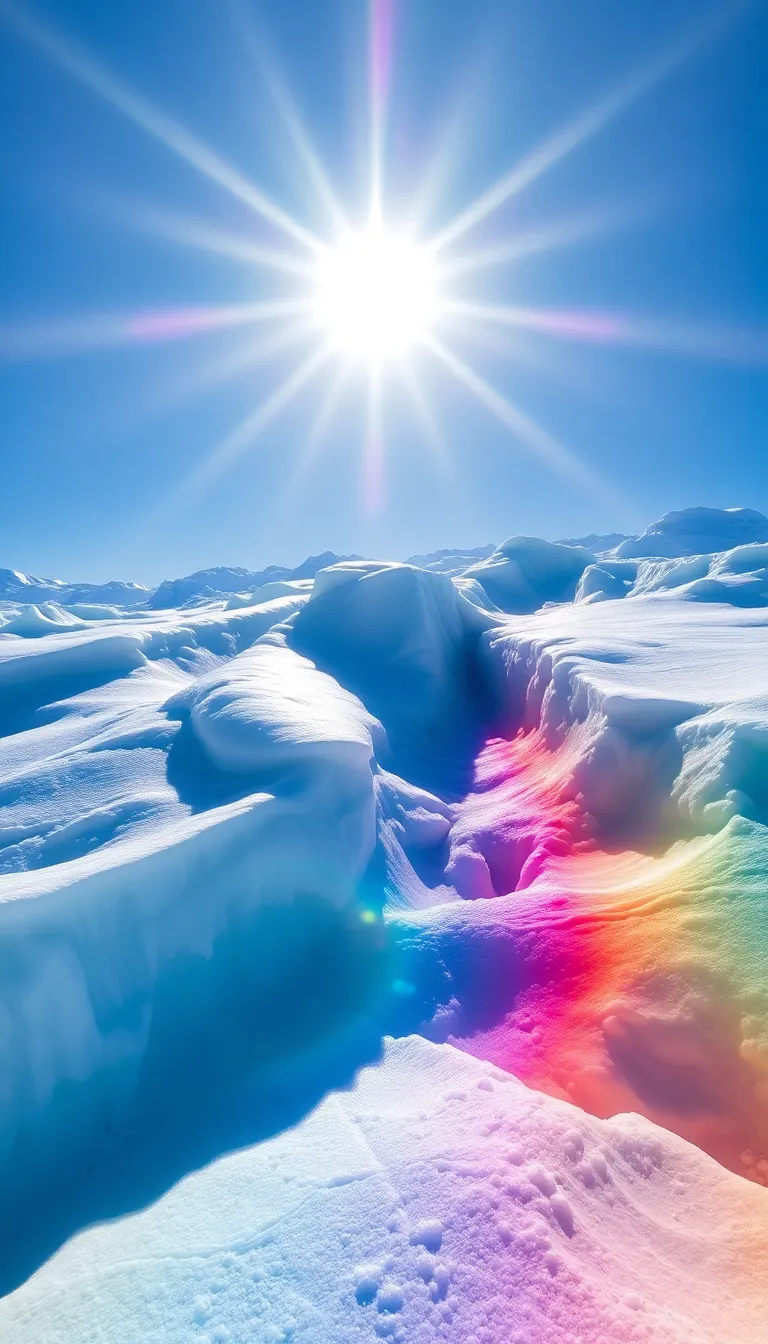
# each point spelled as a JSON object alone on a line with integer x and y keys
{"x": 28, "y": 588}
{"x": 533, "y": 566}
{"x": 696, "y": 531}
{"x": 596, "y": 541}
{"x": 222, "y": 581}
{"x": 449, "y": 562}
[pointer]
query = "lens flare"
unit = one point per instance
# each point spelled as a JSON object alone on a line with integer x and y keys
{"x": 376, "y": 295}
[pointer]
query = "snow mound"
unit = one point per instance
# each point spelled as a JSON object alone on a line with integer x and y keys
{"x": 406, "y": 641}
{"x": 738, "y": 576}
{"x": 270, "y": 707}
{"x": 439, "y": 1200}
{"x": 33, "y": 621}
{"x": 697, "y": 531}
{"x": 526, "y": 572}
{"x": 268, "y": 591}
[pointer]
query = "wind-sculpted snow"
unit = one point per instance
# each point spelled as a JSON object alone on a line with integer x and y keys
{"x": 511, "y": 809}
{"x": 169, "y": 880}
{"x": 739, "y": 577}
{"x": 619, "y": 842}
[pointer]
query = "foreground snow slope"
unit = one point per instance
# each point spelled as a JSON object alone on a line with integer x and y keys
{"x": 242, "y": 842}
{"x": 439, "y": 1200}
{"x": 611, "y": 940}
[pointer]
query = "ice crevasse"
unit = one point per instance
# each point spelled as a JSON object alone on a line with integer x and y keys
{"x": 242, "y": 844}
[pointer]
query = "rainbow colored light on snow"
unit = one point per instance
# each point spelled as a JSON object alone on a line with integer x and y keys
{"x": 640, "y": 977}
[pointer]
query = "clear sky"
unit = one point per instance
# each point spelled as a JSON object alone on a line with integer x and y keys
{"x": 605, "y": 362}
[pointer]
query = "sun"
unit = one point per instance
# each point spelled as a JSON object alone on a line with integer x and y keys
{"x": 370, "y": 296}
{"x": 376, "y": 295}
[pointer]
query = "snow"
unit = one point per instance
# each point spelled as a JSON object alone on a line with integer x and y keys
{"x": 526, "y": 572}
{"x": 18, "y": 587}
{"x": 440, "y": 1199}
{"x": 697, "y": 532}
{"x": 221, "y": 580}
{"x": 501, "y": 816}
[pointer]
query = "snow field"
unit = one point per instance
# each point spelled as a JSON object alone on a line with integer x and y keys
{"x": 516, "y": 804}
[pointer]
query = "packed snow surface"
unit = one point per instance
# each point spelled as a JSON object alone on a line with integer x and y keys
{"x": 504, "y": 809}
{"x": 440, "y": 1199}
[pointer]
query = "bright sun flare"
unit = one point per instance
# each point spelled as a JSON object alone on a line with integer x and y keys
{"x": 376, "y": 296}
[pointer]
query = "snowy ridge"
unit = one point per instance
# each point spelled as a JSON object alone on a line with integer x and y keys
{"x": 696, "y": 532}
{"x": 243, "y": 842}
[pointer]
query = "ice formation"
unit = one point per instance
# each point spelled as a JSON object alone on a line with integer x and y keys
{"x": 501, "y": 815}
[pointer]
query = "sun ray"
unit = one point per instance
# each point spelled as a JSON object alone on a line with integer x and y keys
{"x": 306, "y": 152}
{"x": 320, "y": 428}
{"x": 525, "y": 430}
{"x": 589, "y": 122}
{"x": 235, "y": 444}
{"x": 512, "y": 344}
{"x": 694, "y": 340}
{"x": 196, "y": 234}
{"x": 453, "y": 143}
{"x": 545, "y": 238}
{"x": 376, "y": 294}
{"x": 571, "y": 325}
{"x": 286, "y": 107}
{"x": 102, "y": 332}
{"x": 431, "y": 431}
{"x": 211, "y": 372}
{"x": 379, "y": 69}
{"x": 373, "y": 463}
{"x": 96, "y": 77}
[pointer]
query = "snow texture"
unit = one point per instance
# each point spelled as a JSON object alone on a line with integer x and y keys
{"x": 508, "y": 810}
{"x": 440, "y": 1199}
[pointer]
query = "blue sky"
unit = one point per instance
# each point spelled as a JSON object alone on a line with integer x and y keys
{"x": 99, "y": 444}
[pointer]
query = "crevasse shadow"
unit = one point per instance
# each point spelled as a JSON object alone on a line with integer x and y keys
{"x": 242, "y": 1044}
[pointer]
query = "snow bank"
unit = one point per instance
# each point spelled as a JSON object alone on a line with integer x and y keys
{"x": 738, "y": 576}
{"x": 616, "y": 955}
{"x": 268, "y": 591}
{"x": 218, "y": 883}
{"x": 527, "y": 572}
{"x": 439, "y": 1200}
{"x": 407, "y": 642}
{"x": 269, "y": 707}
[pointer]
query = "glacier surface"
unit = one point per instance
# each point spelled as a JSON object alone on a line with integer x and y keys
{"x": 491, "y": 827}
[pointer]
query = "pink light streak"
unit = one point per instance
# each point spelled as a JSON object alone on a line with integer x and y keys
{"x": 380, "y": 64}
{"x": 382, "y": 24}
{"x": 185, "y": 322}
